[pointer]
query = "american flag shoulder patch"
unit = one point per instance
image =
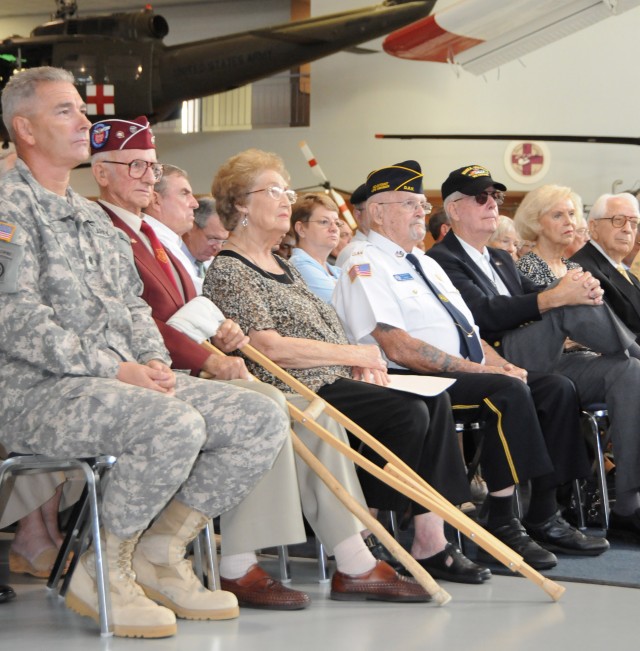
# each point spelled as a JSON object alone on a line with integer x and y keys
{"x": 361, "y": 270}
{"x": 6, "y": 231}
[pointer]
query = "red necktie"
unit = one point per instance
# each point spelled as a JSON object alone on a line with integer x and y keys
{"x": 159, "y": 252}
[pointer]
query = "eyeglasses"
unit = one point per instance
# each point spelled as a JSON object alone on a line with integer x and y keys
{"x": 325, "y": 223}
{"x": 138, "y": 168}
{"x": 620, "y": 220}
{"x": 410, "y": 205}
{"x": 482, "y": 197}
{"x": 581, "y": 231}
{"x": 276, "y": 192}
{"x": 216, "y": 240}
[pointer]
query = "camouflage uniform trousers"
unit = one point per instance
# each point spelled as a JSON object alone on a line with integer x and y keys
{"x": 209, "y": 445}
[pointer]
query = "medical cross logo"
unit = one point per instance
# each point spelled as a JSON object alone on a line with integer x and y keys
{"x": 101, "y": 99}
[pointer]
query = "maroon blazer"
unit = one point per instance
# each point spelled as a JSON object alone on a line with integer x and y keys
{"x": 165, "y": 300}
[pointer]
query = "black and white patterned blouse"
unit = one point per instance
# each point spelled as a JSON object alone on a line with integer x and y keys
{"x": 259, "y": 300}
{"x": 535, "y": 268}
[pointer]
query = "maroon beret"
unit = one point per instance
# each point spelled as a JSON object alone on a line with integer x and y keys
{"x": 111, "y": 135}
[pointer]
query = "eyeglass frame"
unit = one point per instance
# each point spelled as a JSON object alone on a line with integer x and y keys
{"x": 496, "y": 195}
{"x": 137, "y": 161}
{"x": 324, "y": 223}
{"x": 626, "y": 219}
{"x": 407, "y": 203}
{"x": 292, "y": 195}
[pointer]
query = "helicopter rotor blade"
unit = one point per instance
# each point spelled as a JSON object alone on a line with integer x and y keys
{"x": 317, "y": 171}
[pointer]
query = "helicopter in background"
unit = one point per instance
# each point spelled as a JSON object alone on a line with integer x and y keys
{"x": 123, "y": 68}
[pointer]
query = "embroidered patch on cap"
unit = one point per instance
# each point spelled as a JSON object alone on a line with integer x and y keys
{"x": 475, "y": 171}
{"x": 100, "y": 135}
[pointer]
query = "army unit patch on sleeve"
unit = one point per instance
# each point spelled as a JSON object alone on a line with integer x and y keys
{"x": 361, "y": 270}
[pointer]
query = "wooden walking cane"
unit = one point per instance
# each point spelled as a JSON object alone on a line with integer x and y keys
{"x": 418, "y": 491}
{"x": 436, "y": 592}
{"x": 200, "y": 318}
{"x": 403, "y": 478}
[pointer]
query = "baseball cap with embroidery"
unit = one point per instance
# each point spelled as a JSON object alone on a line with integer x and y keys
{"x": 405, "y": 177}
{"x": 471, "y": 180}
{"x": 112, "y": 135}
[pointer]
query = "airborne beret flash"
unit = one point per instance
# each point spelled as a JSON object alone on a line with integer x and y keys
{"x": 401, "y": 177}
{"x": 470, "y": 180}
{"x": 113, "y": 135}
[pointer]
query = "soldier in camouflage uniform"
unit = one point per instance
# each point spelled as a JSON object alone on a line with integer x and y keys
{"x": 84, "y": 371}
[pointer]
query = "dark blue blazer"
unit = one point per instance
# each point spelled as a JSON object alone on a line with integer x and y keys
{"x": 620, "y": 295}
{"x": 495, "y": 314}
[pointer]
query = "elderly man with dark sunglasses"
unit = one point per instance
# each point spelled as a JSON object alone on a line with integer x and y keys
{"x": 529, "y": 324}
{"x": 392, "y": 295}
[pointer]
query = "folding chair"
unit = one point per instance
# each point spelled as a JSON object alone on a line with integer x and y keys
{"x": 92, "y": 470}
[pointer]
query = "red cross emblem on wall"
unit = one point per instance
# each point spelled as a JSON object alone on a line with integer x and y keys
{"x": 101, "y": 99}
{"x": 527, "y": 158}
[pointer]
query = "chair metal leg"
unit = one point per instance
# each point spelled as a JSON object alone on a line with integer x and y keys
{"x": 197, "y": 559}
{"x": 75, "y": 527}
{"x": 323, "y": 572}
{"x": 601, "y": 472}
{"x": 577, "y": 494}
{"x": 393, "y": 524}
{"x": 518, "y": 502}
{"x": 102, "y": 573}
{"x": 80, "y": 545}
{"x": 285, "y": 564}
{"x": 208, "y": 543}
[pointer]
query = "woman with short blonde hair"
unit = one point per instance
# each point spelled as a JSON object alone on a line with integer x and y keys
{"x": 547, "y": 216}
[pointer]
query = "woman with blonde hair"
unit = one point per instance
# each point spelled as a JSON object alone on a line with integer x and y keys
{"x": 547, "y": 216}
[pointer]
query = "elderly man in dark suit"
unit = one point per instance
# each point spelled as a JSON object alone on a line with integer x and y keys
{"x": 530, "y": 324}
{"x": 613, "y": 226}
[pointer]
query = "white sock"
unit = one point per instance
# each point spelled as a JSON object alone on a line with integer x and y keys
{"x": 237, "y": 565}
{"x": 353, "y": 556}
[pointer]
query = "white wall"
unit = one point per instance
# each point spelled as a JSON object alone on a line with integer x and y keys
{"x": 585, "y": 84}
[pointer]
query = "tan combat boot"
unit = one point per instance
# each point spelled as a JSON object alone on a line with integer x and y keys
{"x": 133, "y": 614}
{"x": 167, "y": 577}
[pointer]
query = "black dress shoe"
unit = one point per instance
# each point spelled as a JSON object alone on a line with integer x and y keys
{"x": 452, "y": 565}
{"x": 557, "y": 535}
{"x": 625, "y": 525}
{"x": 514, "y": 535}
{"x": 6, "y": 593}
{"x": 381, "y": 553}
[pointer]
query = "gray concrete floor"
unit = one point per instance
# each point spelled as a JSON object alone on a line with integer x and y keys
{"x": 505, "y": 614}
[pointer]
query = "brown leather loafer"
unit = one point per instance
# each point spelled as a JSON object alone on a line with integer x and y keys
{"x": 383, "y": 583}
{"x": 256, "y": 589}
